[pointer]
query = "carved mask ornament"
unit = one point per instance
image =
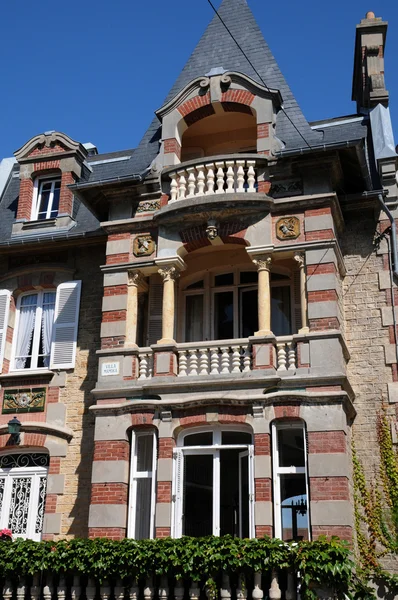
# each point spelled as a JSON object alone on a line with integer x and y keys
{"x": 143, "y": 245}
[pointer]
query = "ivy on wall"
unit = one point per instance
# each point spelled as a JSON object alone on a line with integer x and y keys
{"x": 376, "y": 509}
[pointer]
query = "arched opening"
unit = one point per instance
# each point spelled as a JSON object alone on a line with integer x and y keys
{"x": 232, "y": 129}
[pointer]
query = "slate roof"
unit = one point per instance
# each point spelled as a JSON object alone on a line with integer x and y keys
{"x": 342, "y": 129}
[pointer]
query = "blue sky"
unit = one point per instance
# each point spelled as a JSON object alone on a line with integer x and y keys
{"x": 98, "y": 70}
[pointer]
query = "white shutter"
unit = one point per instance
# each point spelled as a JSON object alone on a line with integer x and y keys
{"x": 5, "y": 296}
{"x": 155, "y": 309}
{"x": 64, "y": 338}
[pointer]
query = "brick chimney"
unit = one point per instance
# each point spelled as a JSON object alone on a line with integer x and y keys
{"x": 368, "y": 86}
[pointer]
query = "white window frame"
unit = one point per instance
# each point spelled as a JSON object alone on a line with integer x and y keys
{"x": 278, "y": 471}
{"x": 134, "y": 475}
{"x": 36, "y": 331}
{"x": 37, "y": 191}
{"x": 209, "y": 290}
{"x": 214, "y": 450}
{"x": 18, "y": 472}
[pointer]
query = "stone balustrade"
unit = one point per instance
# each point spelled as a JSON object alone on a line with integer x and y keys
{"x": 145, "y": 362}
{"x": 234, "y": 175}
{"x": 78, "y": 586}
{"x": 286, "y": 353}
{"x": 214, "y": 358}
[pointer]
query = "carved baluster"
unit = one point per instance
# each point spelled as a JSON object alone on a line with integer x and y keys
{"x": 291, "y": 356}
{"x": 21, "y": 589}
{"x": 225, "y": 360}
{"x": 235, "y": 359}
{"x": 281, "y": 356}
{"x": 48, "y": 588}
{"x": 91, "y": 589}
{"x": 143, "y": 366}
{"x": 191, "y": 182}
{"x": 290, "y": 591}
{"x": 210, "y": 178}
{"x": 148, "y": 589}
{"x": 257, "y": 593}
{"x": 105, "y": 590}
{"x": 61, "y": 590}
{"x": 118, "y": 591}
{"x": 133, "y": 591}
{"x": 230, "y": 176}
{"x": 193, "y": 362}
{"x": 194, "y": 591}
{"x": 274, "y": 591}
{"x": 75, "y": 590}
{"x": 204, "y": 361}
{"x": 241, "y": 590}
{"x": 214, "y": 361}
{"x": 182, "y": 185}
{"x": 225, "y": 593}
{"x": 163, "y": 592}
{"x": 201, "y": 180}
{"x": 247, "y": 359}
{"x": 220, "y": 177}
{"x": 251, "y": 176}
{"x": 173, "y": 187}
{"x": 179, "y": 590}
{"x": 240, "y": 176}
{"x": 182, "y": 363}
{"x": 35, "y": 589}
{"x": 7, "y": 590}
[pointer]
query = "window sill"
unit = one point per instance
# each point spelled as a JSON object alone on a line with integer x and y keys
{"x": 27, "y": 373}
{"x": 62, "y": 222}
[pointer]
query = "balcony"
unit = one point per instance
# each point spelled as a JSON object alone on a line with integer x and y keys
{"x": 217, "y": 175}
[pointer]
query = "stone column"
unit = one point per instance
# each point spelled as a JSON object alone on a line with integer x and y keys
{"x": 169, "y": 274}
{"x": 135, "y": 279}
{"x": 300, "y": 258}
{"x": 263, "y": 264}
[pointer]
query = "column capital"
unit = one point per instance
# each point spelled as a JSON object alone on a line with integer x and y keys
{"x": 135, "y": 278}
{"x": 169, "y": 273}
{"x": 299, "y": 257}
{"x": 263, "y": 262}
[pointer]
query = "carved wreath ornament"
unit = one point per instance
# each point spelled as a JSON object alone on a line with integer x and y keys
{"x": 143, "y": 245}
{"x": 287, "y": 228}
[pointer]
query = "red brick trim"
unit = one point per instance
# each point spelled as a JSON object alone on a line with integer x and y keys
{"x": 324, "y": 388}
{"x": 25, "y": 199}
{"x": 109, "y": 493}
{"x": 262, "y": 130}
{"x": 111, "y": 450}
{"x": 328, "y": 442}
{"x": 114, "y": 237}
{"x": 343, "y": 532}
{"x": 262, "y": 530}
{"x": 290, "y": 411}
{"x": 232, "y": 414}
{"x": 51, "y": 504}
{"x": 193, "y": 104}
{"x": 321, "y": 269}
{"x": 317, "y": 212}
{"x": 163, "y": 492}
{"x": 323, "y": 234}
{"x": 112, "y": 533}
{"x": 113, "y": 342}
{"x": 193, "y": 417}
{"x": 322, "y": 296}
{"x": 34, "y": 439}
{"x": 115, "y": 290}
{"x": 324, "y": 324}
{"x": 45, "y": 165}
{"x": 163, "y": 532}
{"x": 172, "y": 146}
{"x": 115, "y": 259}
{"x": 165, "y": 447}
{"x": 262, "y": 444}
{"x": 142, "y": 418}
{"x": 239, "y": 96}
{"x": 329, "y": 488}
{"x": 66, "y": 195}
{"x": 114, "y": 315}
{"x": 263, "y": 489}
{"x": 54, "y": 467}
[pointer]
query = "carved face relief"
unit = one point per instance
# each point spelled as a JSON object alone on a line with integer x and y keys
{"x": 211, "y": 232}
{"x": 143, "y": 245}
{"x": 287, "y": 228}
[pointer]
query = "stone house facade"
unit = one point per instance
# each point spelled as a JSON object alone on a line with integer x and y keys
{"x": 182, "y": 325}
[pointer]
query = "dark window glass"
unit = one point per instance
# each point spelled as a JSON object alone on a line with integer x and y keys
{"x": 235, "y": 437}
{"x": 194, "y": 318}
{"x": 224, "y": 279}
{"x": 249, "y": 312}
{"x": 249, "y": 277}
{"x": 281, "y": 323}
{"x": 198, "y": 495}
{"x": 291, "y": 447}
{"x": 205, "y": 438}
{"x": 224, "y": 316}
{"x": 294, "y": 507}
{"x": 196, "y": 285}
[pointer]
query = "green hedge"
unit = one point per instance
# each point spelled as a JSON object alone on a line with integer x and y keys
{"x": 323, "y": 563}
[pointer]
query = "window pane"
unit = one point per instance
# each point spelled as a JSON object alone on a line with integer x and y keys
{"x": 143, "y": 509}
{"x": 198, "y": 495}
{"x": 249, "y": 312}
{"x": 46, "y": 329}
{"x": 43, "y": 204}
{"x": 26, "y": 326}
{"x": 199, "y": 439}
{"x": 144, "y": 451}
{"x": 235, "y": 437}
{"x": 280, "y": 310}
{"x": 291, "y": 447}
{"x": 249, "y": 277}
{"x": 230, "y": 495}
{"x": 55, "y": 202}
{"x": 196, "y": 285}
{"x": 224, "y": 315}
{"x": 224, "y": 279}
{"x": 194, "y": 318}
{"x": 294, "y": 507}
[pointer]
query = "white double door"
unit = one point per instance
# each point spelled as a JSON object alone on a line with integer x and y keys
{"x": 22, "y": 500}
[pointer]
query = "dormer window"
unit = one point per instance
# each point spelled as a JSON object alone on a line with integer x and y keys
{"x": 47, "y": 201}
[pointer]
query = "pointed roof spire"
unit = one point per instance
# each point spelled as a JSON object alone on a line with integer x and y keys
{"x": 217, "y": 48}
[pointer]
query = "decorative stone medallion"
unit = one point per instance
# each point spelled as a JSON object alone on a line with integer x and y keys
{"x": 148, "y": 206}
{"x": 143, "y": 245}
{"x": 24, "y": 400}
{"x": 287, "y": 228}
